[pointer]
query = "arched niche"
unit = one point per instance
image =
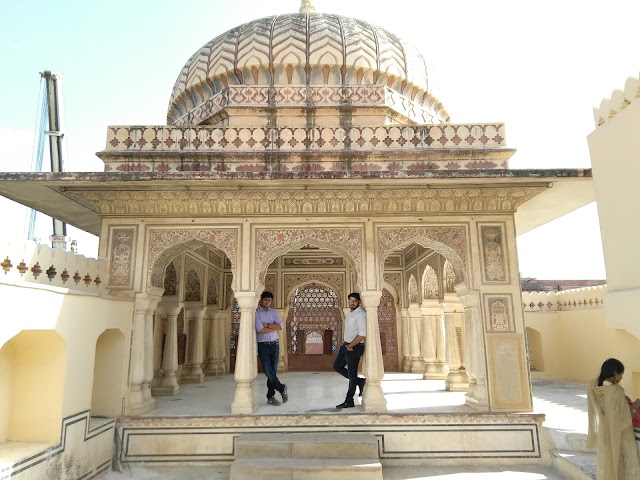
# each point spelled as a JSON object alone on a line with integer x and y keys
{"x": 32, "y": 378}
{"x": 108, "y": 373}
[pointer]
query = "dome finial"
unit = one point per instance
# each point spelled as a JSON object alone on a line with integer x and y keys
{"x": 307, "y": 6}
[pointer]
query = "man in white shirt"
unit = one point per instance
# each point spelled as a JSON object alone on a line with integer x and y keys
{"x": 348, "y": 358}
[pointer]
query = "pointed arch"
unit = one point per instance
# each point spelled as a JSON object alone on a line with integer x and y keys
{"x": 450, "y": 242}
{"x": 271, "y": 243}
{"x": 165, "y": 245}
{"x": 430, "y": 288}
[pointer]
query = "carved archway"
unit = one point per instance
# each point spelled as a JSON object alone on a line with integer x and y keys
{"x": 450, "y": 242}
{"x": 313, "y": 307}
{"x": 165, "y": 245}
{"x": 271, "y": 243}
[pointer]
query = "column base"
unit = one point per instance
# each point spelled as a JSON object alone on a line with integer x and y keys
{"x": 244, "y": 399}
{"x": 167, "y": 385}
{"x": 406, "y": 365}
{"x": 137, "y": 404}
{"x": 477, "y": 397}
{"x": 434, "y": 371}
{"x": 214, "y": 367}
{"x": 417, "y": 365}
{"x": 373, "y": 400}
{"x": 192, "y": 374}
{"x": 457, "y": 381}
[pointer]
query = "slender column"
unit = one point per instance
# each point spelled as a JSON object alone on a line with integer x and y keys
{"x": 282, "y": 338}
{"x": 432, "y": 340}
{"x": 157, "y": 344}
{"x": 245, "y": 401}
{"x": 210, "y": 364}
{"x": 221, "y": 321}
{"x": 139, "y": 399}
{"x": 406, "y": 342}
{"x": 477, "y": 395}
{"x": 441, "y": 353}
{"x": 167, "y": 383}
{"x": 457, "y": 379}
{"x": 415, "y": 331}
{"x": 192, "y": 371}
{"x": 373, "y": 398}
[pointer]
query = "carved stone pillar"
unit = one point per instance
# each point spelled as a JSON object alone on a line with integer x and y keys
{"x": 457, "y": 379}
{"x": 282, "y": 339}
{"x": 373, "y": 367}
{"x": 139, "y": 399}
{"x": 165, "y": 381}
{"x": 406, "y": 342}
{"x": 245, "y": 401}
{"x": 477, "y": 395}
{"x": 213, "y": 355}
{"x": 192, "y": 369}
{"x": 415, "y": 333}
{"x": 158, "y": 329}
{"x": 434, "y": 368}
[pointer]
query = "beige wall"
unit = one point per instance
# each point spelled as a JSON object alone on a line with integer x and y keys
{"x": 6, "y": 380}
{"x": 615, "y": 157}
{"x": 575, "y": 343}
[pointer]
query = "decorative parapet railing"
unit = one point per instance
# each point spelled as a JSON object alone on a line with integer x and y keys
{"x": 261, "y": 139}
{"x": 301, "y": 96}
{"x": 577, "y": 299}
{"x": 31, "y": 263}
{"x": 620, "y": 99}
{"x": 393, "y": 149}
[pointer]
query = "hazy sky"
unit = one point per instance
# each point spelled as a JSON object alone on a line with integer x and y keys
{"x": 539, "y": 67}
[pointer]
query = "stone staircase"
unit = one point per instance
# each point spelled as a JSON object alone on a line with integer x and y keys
{"x": 300, "y": 456}
{"x": 571, "y": 456}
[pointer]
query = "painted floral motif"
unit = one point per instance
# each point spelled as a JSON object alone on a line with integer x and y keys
{"x": 493, "y": 256}
{"x": 121, "y": 257}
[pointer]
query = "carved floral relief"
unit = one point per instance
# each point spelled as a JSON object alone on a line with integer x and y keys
{"x": 122, "y": 257}
{"x": 494, "y": 255}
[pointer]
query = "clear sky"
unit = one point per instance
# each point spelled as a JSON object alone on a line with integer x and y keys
{"x": 539, "y": 66}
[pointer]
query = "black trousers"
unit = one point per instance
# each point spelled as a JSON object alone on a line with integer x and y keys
{"x": 346, "y": 364}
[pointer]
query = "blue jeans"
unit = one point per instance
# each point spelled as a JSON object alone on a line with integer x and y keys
{"x": 350, "y": 359}
{"x": 269, "y": 354}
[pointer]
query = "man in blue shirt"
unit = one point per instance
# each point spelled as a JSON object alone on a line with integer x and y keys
{"x": 268, "y": 322}
{"x": 348, "y": 357}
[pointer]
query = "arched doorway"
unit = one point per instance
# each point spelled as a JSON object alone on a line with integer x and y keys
{"x": 314, "y": 328}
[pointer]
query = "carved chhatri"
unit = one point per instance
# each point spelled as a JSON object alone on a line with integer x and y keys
{"x": 302, "y": 49}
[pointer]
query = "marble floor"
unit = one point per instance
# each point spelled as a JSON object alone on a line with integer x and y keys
{"x": 563, "y": 403}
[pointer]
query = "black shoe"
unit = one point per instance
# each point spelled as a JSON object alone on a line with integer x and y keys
{"x": 346, "y": 404}
{"x": 285, "y": 395}
{"x": 361, "y": 382}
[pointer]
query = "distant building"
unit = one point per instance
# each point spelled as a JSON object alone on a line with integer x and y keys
{"x": 535, "y": 285}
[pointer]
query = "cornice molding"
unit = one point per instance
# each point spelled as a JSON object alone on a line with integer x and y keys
{"x": 305, "y": 202}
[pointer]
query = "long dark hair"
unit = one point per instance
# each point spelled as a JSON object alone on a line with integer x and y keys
{"x": 609, "y": 368}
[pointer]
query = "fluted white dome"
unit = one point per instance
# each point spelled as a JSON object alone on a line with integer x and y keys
{"x": 301, "y": 49}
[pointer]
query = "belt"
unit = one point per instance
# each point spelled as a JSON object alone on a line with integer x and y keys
{"x": 268, "y": 343}
{"x": 344, "y": 344}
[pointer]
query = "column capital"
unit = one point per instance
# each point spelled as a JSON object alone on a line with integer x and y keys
{"x": 469, "y": 298}
{"x": 370, "y": 298}
{"x": 246, "y": 300}
{"x": 148, "y": 301}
